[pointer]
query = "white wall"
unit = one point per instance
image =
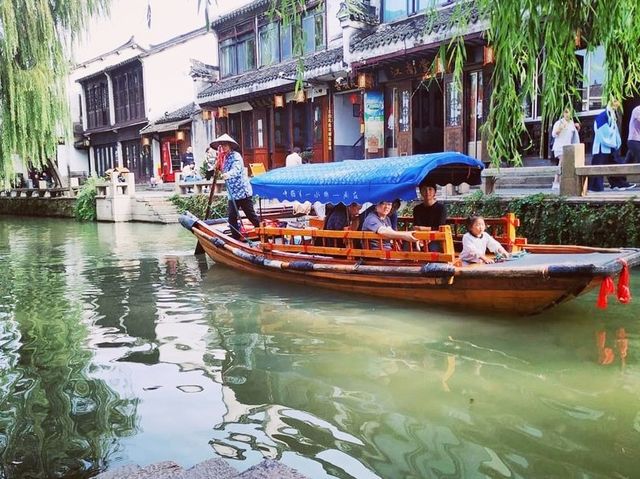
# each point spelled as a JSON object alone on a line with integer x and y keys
{"x": 167, "y": 83}
{"x": 334, "y": 30}
{"x": 347, "y": 126}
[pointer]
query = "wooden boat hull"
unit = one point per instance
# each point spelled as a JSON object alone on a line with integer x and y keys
{"x": 521, "y": 291}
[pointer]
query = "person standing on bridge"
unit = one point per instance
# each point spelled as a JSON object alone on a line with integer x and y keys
{"x": 564, "y": 132}
{"x": 606, "y": 148}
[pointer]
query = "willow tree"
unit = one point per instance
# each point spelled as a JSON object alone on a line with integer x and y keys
{"x": 33, "y": 69}
{"x": 532, "y": 37}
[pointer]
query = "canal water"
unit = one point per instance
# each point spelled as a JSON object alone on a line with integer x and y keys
{"x": 119, "y": 346}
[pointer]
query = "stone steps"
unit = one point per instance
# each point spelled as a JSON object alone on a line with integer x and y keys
{"x": 156, "y": 210}
{"x": 214, "y": 468}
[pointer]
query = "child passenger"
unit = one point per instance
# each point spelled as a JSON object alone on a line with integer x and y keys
{"x": 475, "y": 243}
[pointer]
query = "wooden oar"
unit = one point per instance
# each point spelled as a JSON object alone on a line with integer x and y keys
{"x": 212, "y": 189}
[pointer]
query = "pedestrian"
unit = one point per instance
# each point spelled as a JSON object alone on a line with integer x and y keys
{"x": 564, "y": 132}
{"x": 210, "y": 162}
{"x": 188, "y": 159}
{"x": 606, "y": 148}
{"x": 293, "y": 158}
{"x": 238, "y": 185}
{"x": 633, "y": 140}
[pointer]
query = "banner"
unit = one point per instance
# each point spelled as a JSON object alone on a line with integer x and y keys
{"x": 374, "y": 121}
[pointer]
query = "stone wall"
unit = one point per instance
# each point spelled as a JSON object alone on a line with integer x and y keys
{"x": 56, "y": 207}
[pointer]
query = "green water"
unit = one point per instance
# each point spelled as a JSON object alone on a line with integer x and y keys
{"x": 118, "y": 346}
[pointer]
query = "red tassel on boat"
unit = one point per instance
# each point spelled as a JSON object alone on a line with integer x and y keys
{"x": 606, "y": 288}
{"x": 624, "y": 292}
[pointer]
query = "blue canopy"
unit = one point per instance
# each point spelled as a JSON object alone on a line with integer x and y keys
{"x": 366, "y": 180}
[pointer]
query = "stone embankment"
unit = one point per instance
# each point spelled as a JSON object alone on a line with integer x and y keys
{"x": 210, "y": 469}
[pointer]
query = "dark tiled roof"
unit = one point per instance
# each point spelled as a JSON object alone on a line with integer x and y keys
{"x": 131, "y": 43}
{"x": 203, "y": 70}
{"x": 252, "y": 7}
{"x": 359, "y": 12}
{"x": 413, "y": 27}
{"x": 288, "y": 69}
{"x": 177, "y": 40}
{"x": 183, "y": 113}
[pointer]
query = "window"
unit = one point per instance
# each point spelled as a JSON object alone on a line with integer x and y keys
{"x": 106, "y": 156}
{"x": 246, "y": 51}
{"x": 97, "y": 99}
{"x": 313, "y": 30}
{"x": 269, "y": 44}
{"x": 395, "y": 9}
{"x": 593, "y": 78}
{"x": 228, "y": 58}
{"x": 128, "y": 94}
{"x": 286, "y": 42}
{"x": 238, "y": 53}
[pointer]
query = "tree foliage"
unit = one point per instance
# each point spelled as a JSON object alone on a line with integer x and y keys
{"x": 531, "y": 38}
{"x": 33, "y": 70}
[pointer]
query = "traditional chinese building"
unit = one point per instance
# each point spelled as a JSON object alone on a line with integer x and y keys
{"x": 118, "y": 93}
{"x": 255, "y": 100}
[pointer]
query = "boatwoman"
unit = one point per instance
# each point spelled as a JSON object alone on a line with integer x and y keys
{"x": 238, "y": 185}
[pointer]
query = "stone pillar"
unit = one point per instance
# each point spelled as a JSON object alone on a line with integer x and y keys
{"x": 570, "y": 183}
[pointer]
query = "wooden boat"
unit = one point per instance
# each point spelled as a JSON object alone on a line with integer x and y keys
{"x": 541, "y": 277}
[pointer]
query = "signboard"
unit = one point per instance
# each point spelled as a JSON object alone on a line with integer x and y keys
{"x": 374, "y": 121}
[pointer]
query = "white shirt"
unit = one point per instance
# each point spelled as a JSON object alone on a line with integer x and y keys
{"x": 293, "y": 159}
{"x": 634, "y": 125}
{"x": 473, "y": 247}
{"x": 563, "y": 132}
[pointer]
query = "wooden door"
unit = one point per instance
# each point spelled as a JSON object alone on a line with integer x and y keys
{"x": 453, "y": 122}
{"x": 281, "y": 135}
{"x": 319, "y": 117}
{"x": 402, "y": 119}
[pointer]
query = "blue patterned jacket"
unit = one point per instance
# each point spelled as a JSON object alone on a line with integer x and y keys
{"x": 238, "y": 186}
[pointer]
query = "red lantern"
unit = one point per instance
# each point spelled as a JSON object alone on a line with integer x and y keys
{"x": 354, "y": 98}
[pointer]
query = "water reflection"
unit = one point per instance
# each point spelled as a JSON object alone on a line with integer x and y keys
{"x": 115, "y": 340}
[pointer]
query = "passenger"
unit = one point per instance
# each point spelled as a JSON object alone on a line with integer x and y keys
{"x": 343, "y": 217}
{"x": 430, "y": 214}
{"x": 340, "y": 218}
{"x": 378, "y": 221}
{"x": 393, "y": 215}
{"x": 475, "y": 243}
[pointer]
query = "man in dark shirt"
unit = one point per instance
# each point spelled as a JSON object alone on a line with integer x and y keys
{"x": 430, "y": 214}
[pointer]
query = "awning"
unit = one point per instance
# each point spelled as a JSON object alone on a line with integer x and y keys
{"x": 160, "y": 127}
{"x": 367, "y": 180}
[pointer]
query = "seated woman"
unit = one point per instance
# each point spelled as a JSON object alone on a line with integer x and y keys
{"x": 378, "y": 221}
{"x": 430, "y": 214}
{"x": 341, "y": 217}
{"x": 476, "y": 241}
{"x": 188, "y": 174}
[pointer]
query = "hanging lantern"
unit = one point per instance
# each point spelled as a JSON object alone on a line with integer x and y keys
{"x": 578, "y": 38}
{"x": 354, "y": 98}
{"x": 299, "y": 96}
{"x": 365, "y": 81}
{"x": 439, "y": 65}
{"x": 222, "y": 112}
{"x": 146, "y": 141}
{"x": 278, "y": 101}
{"x": 487, "y": 55}
{"x": 180, "y": 135}
{"x": 207, "y": 115}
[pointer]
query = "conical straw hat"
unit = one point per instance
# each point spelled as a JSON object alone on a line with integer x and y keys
{"x": 224, "y": 139}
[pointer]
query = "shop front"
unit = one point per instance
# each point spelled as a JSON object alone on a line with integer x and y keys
{"x": 416, "y": 105}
